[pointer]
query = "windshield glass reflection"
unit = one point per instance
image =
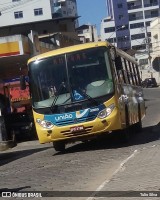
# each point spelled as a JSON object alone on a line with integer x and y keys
{"x": 72, "y": 77}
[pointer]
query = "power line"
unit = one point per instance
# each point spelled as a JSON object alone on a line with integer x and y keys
{"x": 6, "y": 3}
{"x": 10, "y": 7}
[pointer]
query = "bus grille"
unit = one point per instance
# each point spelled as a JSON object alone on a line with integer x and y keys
{"x": 86, "y": 130}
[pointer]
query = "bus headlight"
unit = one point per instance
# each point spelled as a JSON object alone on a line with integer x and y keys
{"x": 44, "y": 123}
{"x": 106, "y": 112}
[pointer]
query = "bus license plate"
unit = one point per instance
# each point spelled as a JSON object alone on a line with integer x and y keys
{"x": 77, "y": 128}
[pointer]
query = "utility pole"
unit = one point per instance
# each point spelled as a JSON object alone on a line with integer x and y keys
{"x": 148, "y": 51}
{"x": 159, "y": 67}
{"x": 92, "y": 32}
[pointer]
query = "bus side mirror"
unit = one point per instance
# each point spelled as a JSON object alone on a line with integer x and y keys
{"x": 118, "y": 63}
{"x": 22, "y": 82}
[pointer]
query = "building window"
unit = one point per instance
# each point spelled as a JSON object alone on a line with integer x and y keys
{"x": 137, "y": 25}
{"x": 139, "y": 47}
{"x": 38, "y": 11}
{"x": 122, "y": 27}
{"x": 149, "y": 34}
{"x": 120, "y": 5}
{"x": 143, "y": 61}
{"x": 120, "y": 17}
{"x": 109, "y": 30}
{"x": 138, "y": 36}
{"x": 123, "y": 38}
{"x": 18, "y": 14}
{"x": 111, "y": 40}
{"x": 87, "y": 40}
{"x": 80, "y": 31}
{"x": 148, "y": 23}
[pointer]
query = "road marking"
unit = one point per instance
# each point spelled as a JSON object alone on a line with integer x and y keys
{"x": 108, "y": 180}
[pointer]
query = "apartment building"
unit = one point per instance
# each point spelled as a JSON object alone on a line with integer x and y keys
{"x": 43, "y": 16}
{"x": 114, "y": 28}
{"x": 135, "y": 16}
{"x": 87, "y": 33}
{"x": 64, "y": 8}
{"x": 155, "y": 54}
{"x": 128, "y": 26}
{"x": 29, "y": 27}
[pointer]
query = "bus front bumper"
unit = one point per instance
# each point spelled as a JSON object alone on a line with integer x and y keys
{"x": 80, "y": 131}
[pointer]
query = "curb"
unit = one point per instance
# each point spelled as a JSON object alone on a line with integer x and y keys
{"x": 7, "y": 145}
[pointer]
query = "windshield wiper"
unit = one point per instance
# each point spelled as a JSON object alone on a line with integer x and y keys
{"x": 87, "y": 96}
{"x": 81, "y": 92}
{"x": 54, "y": 106}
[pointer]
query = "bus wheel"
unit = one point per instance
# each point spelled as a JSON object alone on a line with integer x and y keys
{"x": 138, "y": 125}
{"x": 13, "y": 135}
{"x": 125, "y": 133}
{"x": 59, "y": 146}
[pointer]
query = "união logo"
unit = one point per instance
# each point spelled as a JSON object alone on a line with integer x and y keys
{"x": 64, "y": 117}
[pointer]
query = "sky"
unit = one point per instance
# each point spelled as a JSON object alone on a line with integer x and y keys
{"x": 92, "y": 12}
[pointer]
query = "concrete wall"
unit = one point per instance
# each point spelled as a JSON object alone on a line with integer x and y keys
{"x": 8, "y": 8}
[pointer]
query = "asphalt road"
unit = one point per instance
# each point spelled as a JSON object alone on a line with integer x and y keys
{"x": 102, "y": 165}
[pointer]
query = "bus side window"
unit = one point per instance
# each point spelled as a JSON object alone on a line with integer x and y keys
{"x": 128, "y": 76}
{"x": 125, "y": 72}
{"x": 138, "y": 74}
{"x": 122, "y": 75}
{"x": 119, "y": 70}
{"x": 118, "y": 63}
{"x": 135, "y": 74}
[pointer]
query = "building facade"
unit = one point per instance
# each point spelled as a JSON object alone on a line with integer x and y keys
{"x": 25, "y": 11}
{"x": 87, "y": 33}
{"x": 28, "y": 12}
{"x": 114, "y": 28}
{"x": 135, "y": 16}
{"x": 24, "y": 22}
{"x": 155, "y": 55}
{"x": 128, "y": 27}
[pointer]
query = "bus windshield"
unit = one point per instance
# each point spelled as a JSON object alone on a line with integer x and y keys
{"x": 70, "y": 77}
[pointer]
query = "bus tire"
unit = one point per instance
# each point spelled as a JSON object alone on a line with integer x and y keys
{"x": 59, "y": 146}
{"x": 138, "y": 125}
{"x": 125, "y": 133}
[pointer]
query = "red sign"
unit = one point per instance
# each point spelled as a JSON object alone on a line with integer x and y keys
{"x": 16, "y": 94}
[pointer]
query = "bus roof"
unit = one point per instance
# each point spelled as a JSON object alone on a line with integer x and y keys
{"x": 79, "y": 47}
{"x": 67, "y": 50}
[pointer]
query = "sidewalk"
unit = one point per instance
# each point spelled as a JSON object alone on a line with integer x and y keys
{"x": 137, "y": 176}
{"x": 20, "y": 149}
{"x": 27, "y": 145}
{"x": 4, "y": 145}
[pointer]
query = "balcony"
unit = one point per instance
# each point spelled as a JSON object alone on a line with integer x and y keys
{"x": 132, "y": 7}
{"x": 151, "y": 15}
{"x": 151, "y": 4}
{"x": 134, "y": 18}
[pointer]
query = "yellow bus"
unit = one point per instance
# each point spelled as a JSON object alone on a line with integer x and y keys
{"x": 82, "y": 91}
